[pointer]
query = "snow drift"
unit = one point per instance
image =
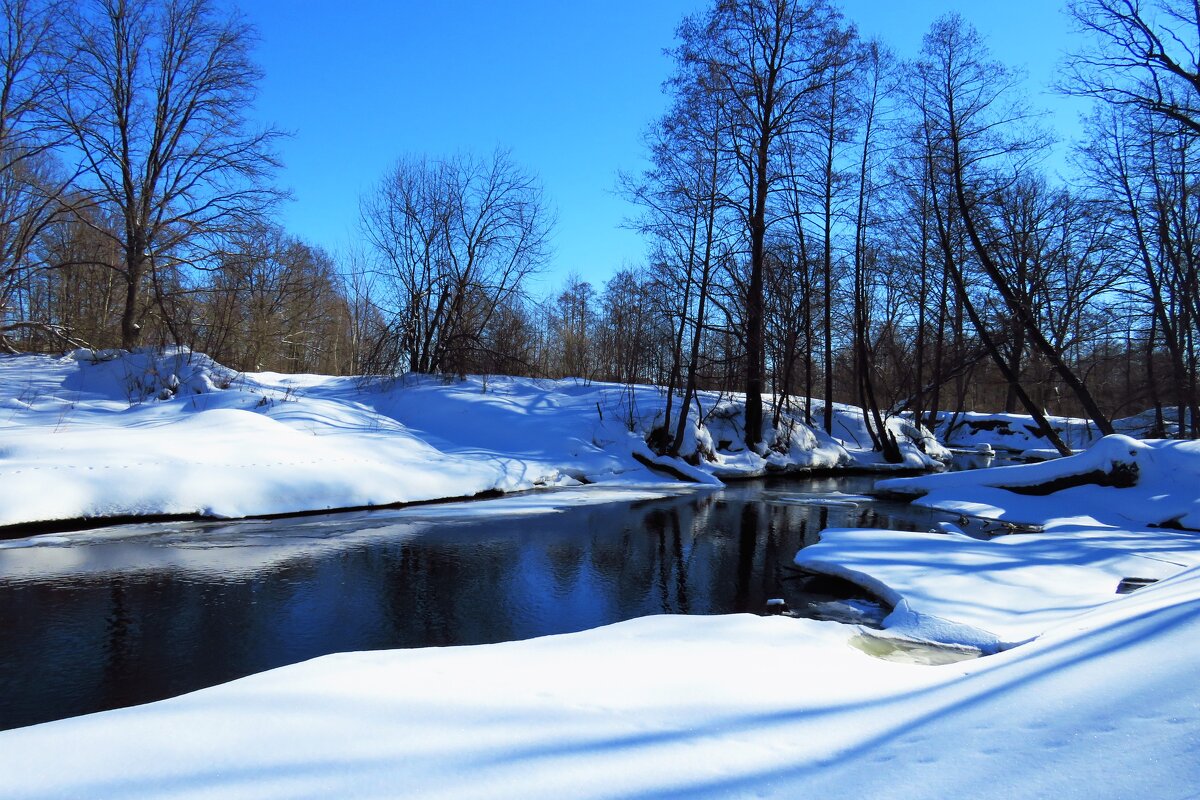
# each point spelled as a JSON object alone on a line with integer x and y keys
{"x": 96, "y": 435}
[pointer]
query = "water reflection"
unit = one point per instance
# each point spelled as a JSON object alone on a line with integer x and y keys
{"x": 123, "y": 616}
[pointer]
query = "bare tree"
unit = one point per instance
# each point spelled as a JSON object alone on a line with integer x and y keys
{"x": 31, "y": 182}
{"x": 974, "y": 122}
{"x": 80, "y": 295}
{"x": 835, "y": 113}
{"x": 1142, "y": 54}
{"x": 1142, "y": 168}
{"x": 1142, "y": 61}
{"x": 876, "y": 65}
{"x": 367, "y": 321}
{"x": 769, "y": 58}
{"x": 276, "y": 303}
{"x": 951, "y": 65}
{"x": 574, "y": 325}
{"x": 456, "y": 239}
{"x": 683, "y": 201}
{"x": 155, "y": 102}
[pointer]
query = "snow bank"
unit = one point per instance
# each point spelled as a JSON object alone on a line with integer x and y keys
{"x": 1018, "y": 433}
{"x": 919, "y": 448}
{"x": 1118, "y": 482}
{"x": 1008, "y": 432}
{"x": 114, "y": 434}
{"x": 1122, "y": 509}
{"x": 147, "y": 434}
{"x": 1104, "y": 705}
{"x": 995, "y": 594}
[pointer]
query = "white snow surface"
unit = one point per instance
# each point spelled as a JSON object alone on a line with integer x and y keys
{"x": 1165, "y": 491}
{"x": 992, "y": 594}
{"x": 112, "y": 434}
{"x": 995, "y": 594}
{"x": 1019, "y": 433}
{"x": 1105, "y": 704}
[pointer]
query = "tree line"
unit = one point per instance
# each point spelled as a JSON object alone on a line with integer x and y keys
{"x": 824, "y": 221}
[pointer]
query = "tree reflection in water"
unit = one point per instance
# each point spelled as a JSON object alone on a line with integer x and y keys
{"x": 111, "y": 621}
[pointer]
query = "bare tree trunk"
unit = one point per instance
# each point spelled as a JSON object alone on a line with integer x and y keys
{"x": 827, "y": 261}
{"x": 754, "y": 300}
{"x": 881, "y": 437}
{"x": 131, "y": 329}
{"x": 697, "y": 337}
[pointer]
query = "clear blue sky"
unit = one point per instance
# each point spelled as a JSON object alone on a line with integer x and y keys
{"x": 568, "y": 86}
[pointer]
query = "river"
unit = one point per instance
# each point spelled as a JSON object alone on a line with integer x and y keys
{"x": 112, "y": 617}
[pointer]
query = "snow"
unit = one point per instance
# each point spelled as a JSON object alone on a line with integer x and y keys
{"x": 111, "y": 434}
{"x": 999, "y": 593}
{"x": 1164, "y": 491}
{"x": 991, "y": 594}
{"x": 1018, "y": 433}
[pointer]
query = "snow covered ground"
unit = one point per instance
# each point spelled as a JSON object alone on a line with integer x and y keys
{"x": 94, "y": 435}
{"x": 1122, "y": 509}
{"x": 1119, "y": 482}
{"x": 1019, "y": 434}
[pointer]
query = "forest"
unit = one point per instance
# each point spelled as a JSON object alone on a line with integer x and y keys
{"x": 823, "y": 220}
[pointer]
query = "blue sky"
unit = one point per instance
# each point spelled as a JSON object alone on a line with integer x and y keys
{"x": 567, "y": 86}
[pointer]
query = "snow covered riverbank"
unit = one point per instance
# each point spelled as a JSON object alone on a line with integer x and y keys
{"x": 1019, "y": 434}
{"x": 113, "y": 434}
{"x": 1072, "y": 530}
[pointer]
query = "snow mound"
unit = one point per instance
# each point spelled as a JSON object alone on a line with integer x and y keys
{"x": 104, "y": 434}
{"x": 996, "y": 594}
{"x": 1118, "y": 481}
{"x": 144, "y": 375}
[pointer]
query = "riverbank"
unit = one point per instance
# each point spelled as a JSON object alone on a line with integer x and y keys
{"x": 173, "y": 435}
{"x": 1022, "y": 549}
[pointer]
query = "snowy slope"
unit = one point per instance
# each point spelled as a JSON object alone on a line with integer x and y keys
{"x": 93, "y": 439}
{"x": 1122, "y": 509}
{"x": 1018, "y": 433}
{"x": 1158, "y": 487}
{"x": 117, "y": 434}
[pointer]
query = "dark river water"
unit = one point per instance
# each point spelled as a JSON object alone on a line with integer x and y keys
{"x": 117, "y": 616}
